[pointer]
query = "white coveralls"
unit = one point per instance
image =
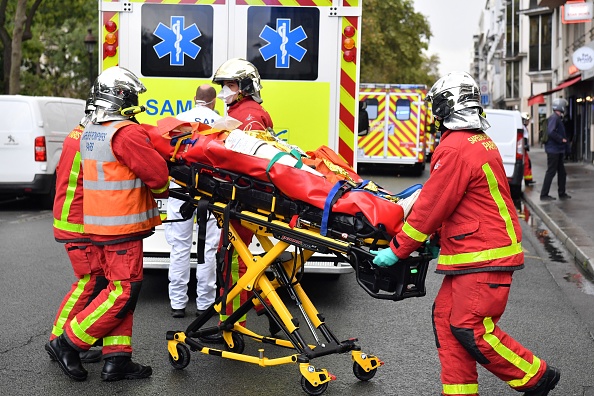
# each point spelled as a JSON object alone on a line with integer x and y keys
{"x": 179, "y": 236}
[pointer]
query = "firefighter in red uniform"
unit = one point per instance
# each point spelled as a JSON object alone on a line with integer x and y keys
{"x": 68, "y": 229}
{"x": 528, "y": 180}
{"x": 467, "y": 203}
{"x": 121, "y": 172}
{"x": 240, "y": 82}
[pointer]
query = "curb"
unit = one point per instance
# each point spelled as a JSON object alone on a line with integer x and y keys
{"x": 581, "y": 258}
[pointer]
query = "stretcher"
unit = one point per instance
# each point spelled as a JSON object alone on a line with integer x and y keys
{"x": 269, "y": 213}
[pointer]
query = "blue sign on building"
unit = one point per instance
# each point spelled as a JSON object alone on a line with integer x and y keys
{"x": 485, "y": 99}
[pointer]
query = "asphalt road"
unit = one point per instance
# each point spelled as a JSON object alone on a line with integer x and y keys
{"x": 551, "y": 311}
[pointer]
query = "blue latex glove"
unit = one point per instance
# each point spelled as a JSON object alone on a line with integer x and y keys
{"x": 384, "y": 257}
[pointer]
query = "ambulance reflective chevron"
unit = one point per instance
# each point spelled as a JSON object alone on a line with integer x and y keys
{"x": 305, "y": 50}
{"x": 399, "y": 121}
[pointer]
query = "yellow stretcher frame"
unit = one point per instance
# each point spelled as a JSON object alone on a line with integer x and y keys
{"x": 314, "y": 381}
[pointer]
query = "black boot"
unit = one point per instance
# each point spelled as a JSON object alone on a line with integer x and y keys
{"x": 67, "y": 357}
{"x": 122, "y": 367}
{"x": 548, "y": 381}
{"x": 90, "y": 356}
{"x": 273, "y": 327}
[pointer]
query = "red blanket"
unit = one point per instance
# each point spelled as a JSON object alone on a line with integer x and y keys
{"x": 207, "y": 147}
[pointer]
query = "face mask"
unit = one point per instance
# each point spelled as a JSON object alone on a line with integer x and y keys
{"x": 226, "y": 94}
{"x": 203, "y": 103}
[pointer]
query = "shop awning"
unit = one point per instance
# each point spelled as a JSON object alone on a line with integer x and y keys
{"x": 539, "y": 98}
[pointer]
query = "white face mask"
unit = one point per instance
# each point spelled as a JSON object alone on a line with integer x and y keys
{"x": 226, "y": 94}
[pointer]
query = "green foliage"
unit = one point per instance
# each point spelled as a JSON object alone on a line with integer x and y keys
{"x": 393, "y": 39}
{"x": 55, "y": 60}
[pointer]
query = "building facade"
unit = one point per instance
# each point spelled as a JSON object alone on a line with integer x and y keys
{"x": 528, "y": 52}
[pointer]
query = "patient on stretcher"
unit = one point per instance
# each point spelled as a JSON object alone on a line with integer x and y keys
{"x": 321, "y": 184}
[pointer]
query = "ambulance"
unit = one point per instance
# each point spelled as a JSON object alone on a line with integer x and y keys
{"x": 399, "y": 125}
{"x": 306, "y": 51}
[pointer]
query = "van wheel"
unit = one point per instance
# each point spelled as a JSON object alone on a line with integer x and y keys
{"x": 46, "y": 201}
{"x": 418, "y": 168}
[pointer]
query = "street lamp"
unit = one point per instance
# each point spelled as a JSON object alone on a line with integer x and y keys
{"x": 90, "y": 42}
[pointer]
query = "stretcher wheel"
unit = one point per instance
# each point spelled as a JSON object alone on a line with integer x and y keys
{"x": 238, "y": 343}
{"x": 184, "y": 357}
{"x": 361, "y": 374}
{"x": 313, "y": 389}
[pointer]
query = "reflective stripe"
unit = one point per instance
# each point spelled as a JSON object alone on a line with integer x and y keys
{"x": 496, "y": 194}
{"x": 529, "y": 368}
{"x": 483, "y": 255}
{"x": 491, "y": 254}
{"x": 413, "y": 233}
{"x": 460, "y": 389}
{"x": 160, "y": 190}
{"x": 102, "y": 185}
{"x": 117, "y": 340}
{"x": 79, "y": 330}
{"x": 66, "y": 226}
{"x": 122, "y": 220}
{"x": 58, "y": 328}
{"x": 63, "y": 223}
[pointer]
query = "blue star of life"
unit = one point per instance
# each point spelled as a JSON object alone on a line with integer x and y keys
{"x": 177, "y": 41}
{"x": 283, "y": 43}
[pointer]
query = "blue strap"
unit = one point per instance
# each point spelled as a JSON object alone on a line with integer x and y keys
{"x": 409, "y": 191}
{"x": 328, "y": 206}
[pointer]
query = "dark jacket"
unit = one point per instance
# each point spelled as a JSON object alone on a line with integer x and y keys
{"x": 556, "y": 132}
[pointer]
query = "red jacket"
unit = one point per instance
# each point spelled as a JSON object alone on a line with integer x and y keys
{"x": 467, "y": 198}
{"x": 251, "y": 114}
{"x": 68, "y": 202}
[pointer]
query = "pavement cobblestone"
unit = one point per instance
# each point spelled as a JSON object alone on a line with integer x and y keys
{"x": 572, "y": 220}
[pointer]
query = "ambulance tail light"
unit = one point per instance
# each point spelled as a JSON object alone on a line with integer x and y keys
{"x": 40, "y": 149}
{"x": 348, "y": 44}
{"x": 520, "y": 144}
{"x": 111, "y": 39}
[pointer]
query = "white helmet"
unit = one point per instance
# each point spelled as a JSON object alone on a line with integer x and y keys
{"x": 454, "y": 92}
{"x": 244, "y": 73}
{"x": 559, "y": 104}
{"x": 115, "y": 89}
{"x": 456, "y": 102}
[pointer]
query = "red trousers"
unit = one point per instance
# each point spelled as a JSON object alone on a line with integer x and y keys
{"x": 237, "y": 270}
{"x": 87, "y": 265}
{"x": 465, "y": 315}
{"x": 110, "y": 314}
{"x": 527, "y": 167}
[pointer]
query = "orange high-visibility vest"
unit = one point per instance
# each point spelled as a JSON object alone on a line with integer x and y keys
{"x": 115, "y": 200}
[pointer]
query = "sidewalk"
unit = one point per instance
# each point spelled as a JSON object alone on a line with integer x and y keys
{"x": 572, "y": 220}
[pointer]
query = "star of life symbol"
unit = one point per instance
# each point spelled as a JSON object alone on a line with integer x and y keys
{"x": 283, "y": 43}
{"x": 177, "y": 41}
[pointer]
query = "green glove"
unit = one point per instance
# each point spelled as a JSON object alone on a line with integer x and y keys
{"x": 384, "y": 257}
{"x": 432, "y": 249}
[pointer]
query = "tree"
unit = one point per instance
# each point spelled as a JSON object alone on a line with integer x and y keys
{"x": 393, "y": 40}
{"x": 54, "y": 59}
{"x": 12, "y": 45}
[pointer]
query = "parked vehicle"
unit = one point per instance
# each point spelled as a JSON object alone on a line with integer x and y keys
{"x": 32, "y": 132}
{"x": 400, "y": 121}
{"x": 507, "y": 131}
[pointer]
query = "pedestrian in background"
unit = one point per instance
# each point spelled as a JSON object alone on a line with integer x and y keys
{"x": 528, "y": 180}
{"x": 555, "y": 147}
{"x": 179, "y": 233}
{"x": 466, "y": 205}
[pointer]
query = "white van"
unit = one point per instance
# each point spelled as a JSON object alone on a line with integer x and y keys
{"x": 507, "y": 132}
{"x": 32, "y": 132}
